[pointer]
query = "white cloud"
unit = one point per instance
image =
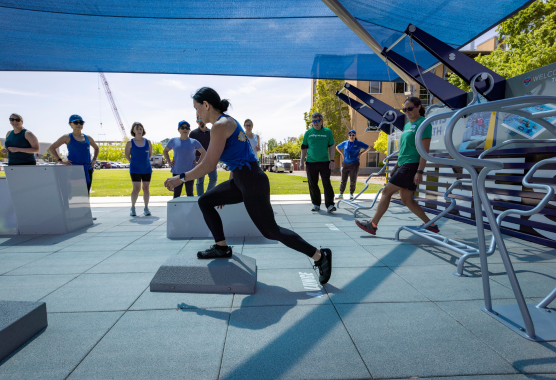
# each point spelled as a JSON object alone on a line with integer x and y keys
{"x": 21, "y": 93}
{"x": 176, "y": 84}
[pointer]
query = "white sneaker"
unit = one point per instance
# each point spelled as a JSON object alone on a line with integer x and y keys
{"x": 132, "y": 212}
{"x": 315, "y": 208}
{"x": 340, "y": 196}
{"x": 330, "y": 209}
{"x": 146, "y": 211}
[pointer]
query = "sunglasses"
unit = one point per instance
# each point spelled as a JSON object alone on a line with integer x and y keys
{"x": 316, "y": 121}
{"x": 78, "y": 122}
{"x": 408, "y": 109}
{"x": 183, "y": 126}
{"x": 351, "y": 134}
{"x": 16, "y": 120}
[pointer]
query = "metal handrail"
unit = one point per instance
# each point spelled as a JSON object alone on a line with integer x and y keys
{"x": 382, "y": 170}
{"x": 480, "y": 196}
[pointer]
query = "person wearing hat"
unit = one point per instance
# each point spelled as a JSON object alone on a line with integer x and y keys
{"x": 138, "y": 152}
{"x": 353, "y": 149}
{"x": 184, "y": 156}
{"x": 79, "y": 148}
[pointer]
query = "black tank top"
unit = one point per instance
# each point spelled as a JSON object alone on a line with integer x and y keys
{"x": 18, "y": 140}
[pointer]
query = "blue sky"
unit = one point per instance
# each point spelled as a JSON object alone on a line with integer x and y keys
{"x": 47, "y": 99}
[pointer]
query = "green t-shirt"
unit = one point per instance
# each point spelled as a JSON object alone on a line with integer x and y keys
{"x": 317, "y": 143}
{"x": 408, "y": 152}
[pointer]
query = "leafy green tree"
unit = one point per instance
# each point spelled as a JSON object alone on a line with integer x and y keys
{"x": 2, "y": 155}
{"x": 381, "y": 143}
{"x": 157, "y": 148}
{"x": 48, "y": 157}
{"x": 530, "y": 37}
{"x": 271, "y": 145}
{"x": 335, "y": 112}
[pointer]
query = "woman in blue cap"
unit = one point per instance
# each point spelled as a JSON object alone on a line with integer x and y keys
{"x": 79, "y": 148}
{"x": 250, "y": 185}
{"x": 138, "y": 152}
{"x": 184, "y": 160}
{"x": 353, "y": 149}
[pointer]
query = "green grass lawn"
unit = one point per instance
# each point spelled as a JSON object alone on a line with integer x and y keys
{"x": 117, "y": 183}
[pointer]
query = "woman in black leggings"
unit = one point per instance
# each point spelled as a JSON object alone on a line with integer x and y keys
{"x": 249, "y": 184}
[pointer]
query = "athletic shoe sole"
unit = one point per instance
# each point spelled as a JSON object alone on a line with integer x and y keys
{"x": 372, "y": 232}
{"x": 329, "y": 259}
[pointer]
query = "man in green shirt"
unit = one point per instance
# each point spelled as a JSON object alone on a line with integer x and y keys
{"x": 318, "y": 148}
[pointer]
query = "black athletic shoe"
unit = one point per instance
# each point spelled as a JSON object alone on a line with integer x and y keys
{"x": 215, "y": 253}
{"x": 367, "y": 226}
{"x": 324, "y": 265}
{"x": 434, "y": 228}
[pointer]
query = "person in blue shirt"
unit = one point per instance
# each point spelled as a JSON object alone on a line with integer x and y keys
{"x": 79, "y": 148}
{"x": 250, "y": 185}
{"x": 138, "y": 152}
{"x": 184, "y": 160}
{"x": 350, "y": 151}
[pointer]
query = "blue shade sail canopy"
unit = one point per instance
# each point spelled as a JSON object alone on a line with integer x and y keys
{"x": 279, "y": 38}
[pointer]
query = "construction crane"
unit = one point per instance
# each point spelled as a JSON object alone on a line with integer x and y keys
{"x": 112, "y": 104}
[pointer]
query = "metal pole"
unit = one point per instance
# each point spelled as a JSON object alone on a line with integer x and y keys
{"x": 366, "y": 37}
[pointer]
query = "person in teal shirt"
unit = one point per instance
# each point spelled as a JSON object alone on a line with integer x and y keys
{"x": 409, "y": 173}
{"x": 318, "y": 148}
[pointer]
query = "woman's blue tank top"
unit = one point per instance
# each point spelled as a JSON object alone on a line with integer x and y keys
{"x": 237, "y": 151}
{"x": 140, "y": 158}
{"x": 79, "y": 153}
{"x": 18, "y": 141}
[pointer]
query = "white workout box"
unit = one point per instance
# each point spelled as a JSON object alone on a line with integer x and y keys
{"x": 185, "y": 220}
{"x": 49, "y": 199}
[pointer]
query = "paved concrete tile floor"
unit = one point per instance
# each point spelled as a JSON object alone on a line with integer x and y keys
{"x": 392, "y": 309}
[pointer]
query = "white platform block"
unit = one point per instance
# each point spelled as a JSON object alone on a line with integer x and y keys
{"x": 49, "y": 199}
{"x": 8, "y": 220}
{"x": 185, "y": 220}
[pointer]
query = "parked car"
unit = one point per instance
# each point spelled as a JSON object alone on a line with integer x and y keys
{"x": 103, "y": 165}
{"x": 114, "y": 165}
{"x": 158, "y": 161}
{"x": 125, "y": 164}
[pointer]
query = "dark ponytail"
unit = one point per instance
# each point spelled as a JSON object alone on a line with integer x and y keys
{"x": 207, "y": 94}
{"x": 416, "y": 102}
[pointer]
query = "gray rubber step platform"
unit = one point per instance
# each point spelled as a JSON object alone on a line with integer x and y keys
{"x": 187, "y": 274}
{"x": 19, "y": 322}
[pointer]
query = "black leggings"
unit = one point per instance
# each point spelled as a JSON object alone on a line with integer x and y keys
{"x": 90, "y": 183}
{"x": 251, "y": 187}
{"x": 188, "y": 188}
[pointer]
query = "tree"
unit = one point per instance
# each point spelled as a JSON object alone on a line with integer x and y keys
{"x": 335, "y": 112}
{"x": 48, "y": 157}
{"x": 272, "y": 144}
{"x": 381, "y": 144}
{"x": 2, "y": 155}
{"x": 530, "y": 37}
{"x": 157, "y": 148}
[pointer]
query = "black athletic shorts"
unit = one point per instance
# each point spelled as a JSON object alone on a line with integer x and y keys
{"x": 140, "y": 177}
{"x": 405, "y": 175}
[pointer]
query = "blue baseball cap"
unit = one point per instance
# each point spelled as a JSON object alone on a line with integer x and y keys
{"x": 183, "y": 122}
{"x": 75, "y": 118}
{"x": 352, "y": 131}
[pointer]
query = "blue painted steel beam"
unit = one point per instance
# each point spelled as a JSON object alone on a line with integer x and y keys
{"x": 458, "y": 62}
{"x": 452, "y": 96}
{"x": 363, "y": 110}
{"x": 377, "y": 105}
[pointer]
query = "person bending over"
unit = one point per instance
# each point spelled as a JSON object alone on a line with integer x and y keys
{"x": 410, "y": 169}
{"x": 249, "y": 184}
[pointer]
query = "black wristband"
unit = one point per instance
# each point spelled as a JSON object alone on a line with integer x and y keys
{"x": 59, "y": 159}
{"x": 420, "y": 172}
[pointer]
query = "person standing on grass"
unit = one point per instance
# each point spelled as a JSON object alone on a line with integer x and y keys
{"x": 202, "y": 134}
{"x": 253, "y": 138}
{"x": 138, "y": 152}
{"x": 353, "y": 149}
{"x": 318, "y": 147}
{"x": 184, "y": 160}
{"x": 410, "y": 169}
{"x": 21, "y": 145}
{"x": 249, "y": 185}
{"x": 79, "y": 149}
